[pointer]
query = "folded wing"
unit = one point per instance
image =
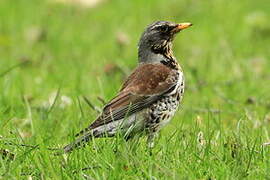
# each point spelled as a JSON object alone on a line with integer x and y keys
{"x": 144, "y": 86}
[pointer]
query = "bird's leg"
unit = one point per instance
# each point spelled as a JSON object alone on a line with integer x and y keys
{"x": 151, "y": 139}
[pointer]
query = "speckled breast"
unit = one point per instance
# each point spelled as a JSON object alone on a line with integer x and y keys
{"x": 161, "y": 112}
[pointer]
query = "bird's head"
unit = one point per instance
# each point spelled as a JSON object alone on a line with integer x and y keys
{"x": 158, "y": 36}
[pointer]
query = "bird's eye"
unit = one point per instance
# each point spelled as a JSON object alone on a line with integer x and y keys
{"x": 163, "y": 28}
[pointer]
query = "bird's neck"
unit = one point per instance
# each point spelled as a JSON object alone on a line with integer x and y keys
{"x": 164, "y": 56}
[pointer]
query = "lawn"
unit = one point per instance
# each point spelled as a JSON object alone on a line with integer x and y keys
{"x": 54, "y": 54}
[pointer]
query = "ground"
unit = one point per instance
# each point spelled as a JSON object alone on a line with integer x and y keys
{"x": 53, "y": 54}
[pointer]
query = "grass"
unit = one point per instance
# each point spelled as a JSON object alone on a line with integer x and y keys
{"x": 51, "y": 55}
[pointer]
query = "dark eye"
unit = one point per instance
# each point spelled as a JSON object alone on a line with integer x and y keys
{"x": 163, "y": 28}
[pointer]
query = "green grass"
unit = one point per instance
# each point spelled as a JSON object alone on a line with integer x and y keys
{"x": 218, "y": 132}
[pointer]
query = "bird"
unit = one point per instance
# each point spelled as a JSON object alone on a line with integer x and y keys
{"x": 149, "y": 97}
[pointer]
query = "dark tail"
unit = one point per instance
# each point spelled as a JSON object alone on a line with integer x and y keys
{"x": 82, "y": 131}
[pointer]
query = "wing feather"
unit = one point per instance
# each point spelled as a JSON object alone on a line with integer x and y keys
{"x": 147, "y": 84}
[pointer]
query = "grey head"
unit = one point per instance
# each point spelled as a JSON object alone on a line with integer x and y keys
{"x": 156, "y": 41}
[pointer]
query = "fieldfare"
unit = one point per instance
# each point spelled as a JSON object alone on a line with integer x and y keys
{"x": 149, "y": 97}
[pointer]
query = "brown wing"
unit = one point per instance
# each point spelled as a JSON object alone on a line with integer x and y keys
{"x": 145, "y": 85}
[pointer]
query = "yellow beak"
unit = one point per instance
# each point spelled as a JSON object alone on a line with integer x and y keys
{"x": 181, "y": 26}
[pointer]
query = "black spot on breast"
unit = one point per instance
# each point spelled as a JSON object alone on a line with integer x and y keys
{"x": 182, "y": 83}
{"x": 164, "y": 117}
{"x": 178, "y": 97}
{"x": 152, "y": 116}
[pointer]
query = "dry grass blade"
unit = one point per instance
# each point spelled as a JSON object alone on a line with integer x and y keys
{"x": 266, "y": 144}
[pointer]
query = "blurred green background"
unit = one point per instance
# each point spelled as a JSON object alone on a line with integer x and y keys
{"x": 54, "y": 52}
